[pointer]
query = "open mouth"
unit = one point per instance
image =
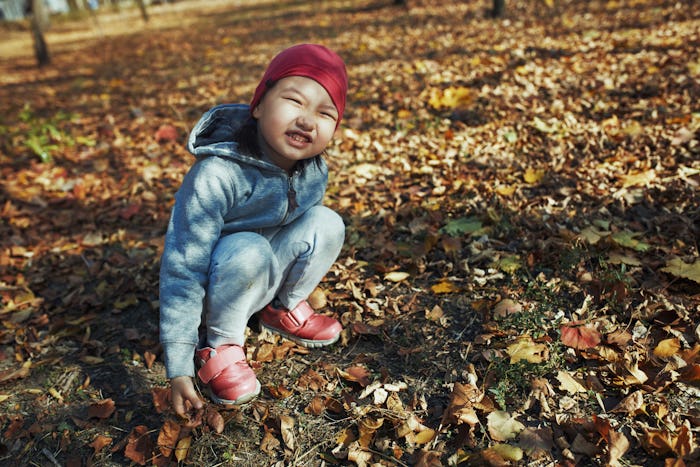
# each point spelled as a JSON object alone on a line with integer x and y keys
{"x": 299, "y": 137}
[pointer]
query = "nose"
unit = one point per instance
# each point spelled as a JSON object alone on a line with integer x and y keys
{"x": 305, "y": 121}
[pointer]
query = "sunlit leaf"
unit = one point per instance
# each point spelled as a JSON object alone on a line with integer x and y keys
{"x": 525, "y": 349}
{"x": 503, "y": 426}
{"x": 579, "y": 336}
{"x": 667, "y": 347}
{"x": 445, "y": 286}
{"x": 680, "y": 268}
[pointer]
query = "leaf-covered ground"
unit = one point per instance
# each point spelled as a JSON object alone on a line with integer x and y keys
{"x": 520, "y": 281}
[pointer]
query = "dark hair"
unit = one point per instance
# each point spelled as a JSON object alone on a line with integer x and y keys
{"x": 247, "y": 138}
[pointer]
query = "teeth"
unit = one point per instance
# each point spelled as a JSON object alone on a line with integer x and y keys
{"x": 298, "y": 137}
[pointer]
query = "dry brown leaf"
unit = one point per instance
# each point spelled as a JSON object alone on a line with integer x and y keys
{"x": 356, "y": 374}
{"x": 269, "y": 444}
{"x": 100, "y": 442}
{"x": 287, "y": 430}
{"x": 368, "y": 426}
{"x": 632, "y": 404}
{"x": 139, "y": 447}
{"x": 161, "y": 398}
{"x": 506, "y": 307}
{"x": 215, "y": 420}
{"x": 101, "y": 409}
{"x": 568, "y": 383}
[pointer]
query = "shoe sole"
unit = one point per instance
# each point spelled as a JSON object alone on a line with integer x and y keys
{"x": 300, "y": 340}
{"x": 245, "y": 398}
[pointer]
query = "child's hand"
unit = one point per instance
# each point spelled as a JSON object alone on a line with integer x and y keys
{"x": 182, "y": 390}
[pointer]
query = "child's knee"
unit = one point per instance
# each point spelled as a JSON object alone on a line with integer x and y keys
{"x": 245, "y": 256}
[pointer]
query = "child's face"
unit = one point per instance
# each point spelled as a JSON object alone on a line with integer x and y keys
{"x": 296, "y": 120}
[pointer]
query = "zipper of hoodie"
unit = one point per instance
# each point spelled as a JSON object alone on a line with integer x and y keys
{"x": 291, "y": 195}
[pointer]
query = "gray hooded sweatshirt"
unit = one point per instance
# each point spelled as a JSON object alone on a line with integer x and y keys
{"x": 223, "y": 192}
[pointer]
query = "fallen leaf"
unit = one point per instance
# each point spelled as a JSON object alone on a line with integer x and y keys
{"x": 631, "y": 404}
{"x": 101, "y": 409}
{"x": 168, "y": 437}
{"x": 506, "y": 307}
{"x": 568, "y": 383}
{"x": 503, "y": 426}
{"x": 525, "y": 349}
{"x": 445, "y": 286}
{"x": 215, "y": 420}
{"x": 287, "y": 430}
{"x": 166, "y": 133}
{"x": 396, "y": 276}
{"x": 100, "y": 442}
{"x": 183, "y": 448}
{"x": 21, "y": 372}
{"x": 579, "y": 336}
{"x": 680, "y": 268}
{"x": 139, "y": 447}
{"x": 667, "y": 348}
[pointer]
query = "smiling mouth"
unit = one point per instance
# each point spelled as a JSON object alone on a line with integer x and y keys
{"x": 299, "y": 137}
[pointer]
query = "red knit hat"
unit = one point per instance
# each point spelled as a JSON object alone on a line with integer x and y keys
{"x": 311, "y": 61}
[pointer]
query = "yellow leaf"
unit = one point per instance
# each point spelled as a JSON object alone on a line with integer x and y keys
{"x": 679, "y": 268}
{"x": 444, "y": 286}
{"x": 667, "y": 348}
{"x": 425, "y": 436}
{"x": 183, "y": 447}
{"x": 505, "y": 190}
{"x": 638, "y": 178}
{"x": 507, "y": 452}
{"x": 525, "y": 349}
{"x": 450, "y": 98}
{"x": 533, "y": 176}
{"x": 4, "y": 397}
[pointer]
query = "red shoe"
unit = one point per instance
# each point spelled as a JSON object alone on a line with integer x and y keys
{"x": 228, "y": 375}
{"x": 301, "y": 325}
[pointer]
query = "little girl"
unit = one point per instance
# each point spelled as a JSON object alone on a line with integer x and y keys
{"x": 248, "y": 231}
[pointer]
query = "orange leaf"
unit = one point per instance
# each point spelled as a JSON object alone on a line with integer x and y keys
{"x": 667, "y": 348}
{"x": 579, "y": 337}
{"x": 100, "y": 442}
{"x": 356, "y": 374}
{"x": 101, "y": 409}
{"x": 161, "y": 399}
{"x": 168, "y": 436}
{"x": 166, "y": 133}
{"x": 691, "y": 375}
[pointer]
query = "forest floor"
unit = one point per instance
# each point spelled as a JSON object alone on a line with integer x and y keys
{"x": 520, "y": 283}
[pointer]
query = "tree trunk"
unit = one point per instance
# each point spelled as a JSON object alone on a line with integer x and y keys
{"x": 38, "y": 20}
{"x": 144, "y": 13}
{"x": 499, "y": 7}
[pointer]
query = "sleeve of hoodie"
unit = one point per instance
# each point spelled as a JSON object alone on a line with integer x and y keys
{"x": 206, "y": 195}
